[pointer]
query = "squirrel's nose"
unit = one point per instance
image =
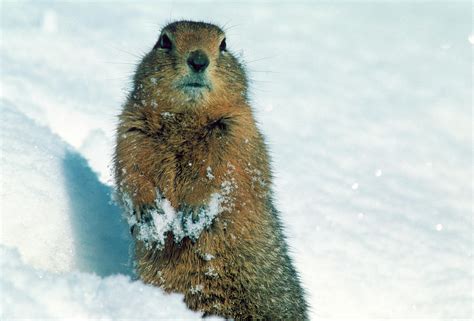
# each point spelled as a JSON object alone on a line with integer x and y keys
{"x": 198, "y": 61}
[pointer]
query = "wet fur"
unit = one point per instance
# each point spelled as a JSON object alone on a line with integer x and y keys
{"x": 167, "y": 141}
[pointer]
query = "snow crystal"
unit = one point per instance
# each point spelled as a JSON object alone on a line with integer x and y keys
{"x": 211, "y": 272}
{"x": 256, "y": 176}
{"x": 209, "y": 174}
{"x": 471, "y": 39}
{"x": 167, "y": 114}
{"x": 196, "y": 289}
{"x": 378, "y": 172}
{"x": 207, "y": 257}
{"x": 439, "y": 227}
{"x": 355, "y": 186}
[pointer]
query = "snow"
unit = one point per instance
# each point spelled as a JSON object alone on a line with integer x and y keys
{"x": 35, "y": 293}
{"x": 366, "y": 94}
{"x": 165, "y": 218}
{"x": 209, "y": 174}
{"x": 54, "y": 210}
{"x": 471, "y": 39}
{"x": 208, "y": 257}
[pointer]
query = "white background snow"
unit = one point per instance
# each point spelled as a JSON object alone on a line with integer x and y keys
{"x": 367, "y": 110}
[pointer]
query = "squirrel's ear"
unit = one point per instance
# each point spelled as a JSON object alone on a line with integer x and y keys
{"x": 164, "y": 42}
{"x": 223, "y": 46}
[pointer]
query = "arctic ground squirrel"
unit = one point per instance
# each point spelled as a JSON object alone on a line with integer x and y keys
{"x": 192, "y": 171}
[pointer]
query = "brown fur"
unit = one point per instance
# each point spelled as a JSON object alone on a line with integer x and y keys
{"x": 166, "y": 141}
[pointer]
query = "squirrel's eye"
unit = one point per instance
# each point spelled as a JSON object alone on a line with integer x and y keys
{"x": 223, "y": 45}
{"x": 164, "y": 42}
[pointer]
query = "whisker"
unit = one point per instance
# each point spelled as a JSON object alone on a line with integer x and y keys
{"x": 128, "y": 52}
{"x": 154, "y": 25}
{"x": 114, "y": 47}
{"x": 264, "y": 71}
{"x": 226, "y": 29}
{"x": 260, "y": 59}
{"x": 125, "y": 79}
{"x": 261, "y": 81}
{"x": 120, "y": 63}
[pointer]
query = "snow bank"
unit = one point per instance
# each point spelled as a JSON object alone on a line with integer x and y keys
{"x": 52, "y": 199}
{"x": 34, "y": 293}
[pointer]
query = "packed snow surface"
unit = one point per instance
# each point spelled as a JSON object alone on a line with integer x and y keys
{"x": 366, "y": 107}
{"x": 35, "y": 293}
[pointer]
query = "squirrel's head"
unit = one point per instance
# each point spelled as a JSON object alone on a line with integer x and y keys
{"x": 188, "y": 66}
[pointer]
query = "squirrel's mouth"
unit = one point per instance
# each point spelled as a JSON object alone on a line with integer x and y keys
{"x": 194, "y": 85}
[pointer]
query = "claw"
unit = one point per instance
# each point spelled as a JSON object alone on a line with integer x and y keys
{"x": 195, "y": 216}
{"x": 138, "y": 213}
{"x": 185, "y": 209}
{"x": 142, "y": 213}
{"x": 197, "y": 213}
{"x": 194, "y": 212}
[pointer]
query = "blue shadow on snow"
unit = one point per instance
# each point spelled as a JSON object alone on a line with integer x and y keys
{"x": 101, "y": 236}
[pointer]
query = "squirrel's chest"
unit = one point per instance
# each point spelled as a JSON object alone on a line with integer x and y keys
{"x": 188, "y": 164}
{"x": 189, "y": 149}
